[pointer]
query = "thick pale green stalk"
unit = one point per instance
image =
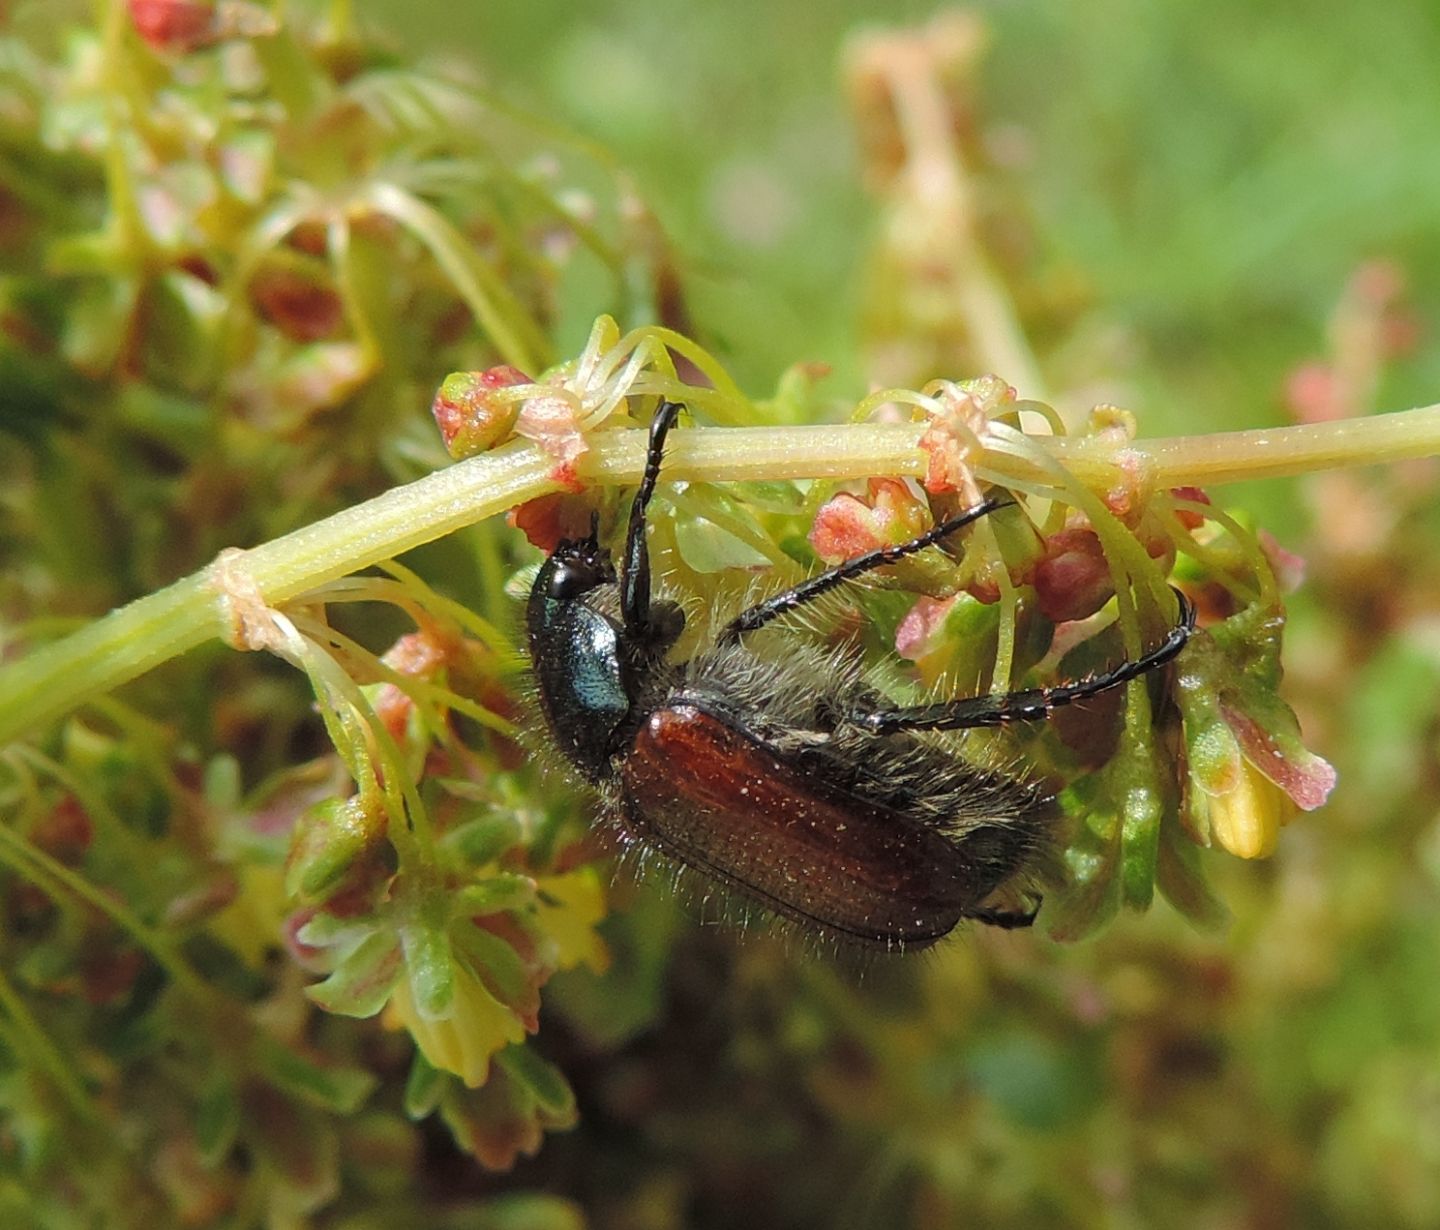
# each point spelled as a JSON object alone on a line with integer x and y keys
{"x": 1267, "y": 452}
{"x": 124, "y": 644}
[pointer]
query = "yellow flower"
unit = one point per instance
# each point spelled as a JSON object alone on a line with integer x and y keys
{"x": 463, "y": 1041}
{"x": 1246, "y": 818}
{"x": 569, "y": 906}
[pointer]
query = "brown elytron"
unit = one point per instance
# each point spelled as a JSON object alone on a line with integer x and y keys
{"x": 723, "y": 802}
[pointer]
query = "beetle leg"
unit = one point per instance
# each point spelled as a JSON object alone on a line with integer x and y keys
{"x": 1032, "y": 703}
{"x": 1009, "y": 920}
{"x": 787, "y": 600}
{"x": 635, "y": 567}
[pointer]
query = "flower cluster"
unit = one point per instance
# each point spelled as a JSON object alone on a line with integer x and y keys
{"x": 1217, "y": 760}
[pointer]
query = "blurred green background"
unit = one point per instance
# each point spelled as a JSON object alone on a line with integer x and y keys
{"x": 1213, "y": 171}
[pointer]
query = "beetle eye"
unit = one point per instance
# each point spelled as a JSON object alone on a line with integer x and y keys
{"x": 571, "y": 578}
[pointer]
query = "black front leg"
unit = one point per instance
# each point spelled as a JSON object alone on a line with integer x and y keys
{"x": 635, "y": 568}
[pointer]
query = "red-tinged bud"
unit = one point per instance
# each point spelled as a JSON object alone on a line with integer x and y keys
{"x": 107, "y": 975}
{"x": 922, "y": 624}
{"x": 175, "y": 25}
{"x": 1377, "y": 284}
{"x": 471, "y": 418}
{"x": 180, "y": 26}
{"x": 843, "y": 528}
{"x": 984, "y": 588}
{"x": 417, "y": 654}
{"x": 1073, "y": 580}
{"x": 66, "y": 832}
{"x": 312, "y": 236}
{"x": 847, "y": 526}
{"x": 1313, "y": 393}
{"x": 1190, "y": 520}
{"x": 553, "y": 422}
{"x": 303, "y": 308}
{"x": 1289, "y": 568}
{"x": 420, "y": 654}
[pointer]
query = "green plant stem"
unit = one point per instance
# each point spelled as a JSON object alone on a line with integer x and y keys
{"x": 31, "y": 1043}
{"x": 124, "y": 644}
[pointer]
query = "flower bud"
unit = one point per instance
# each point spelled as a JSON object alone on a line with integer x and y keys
{"x": 300, "y": 302}
{"x": 847, "y": 526}
{"x": 175, "y": 25}
{"x": 470, "y": 417}
{"x": 330, "y": 839}
{"x": 1246, "y": 820}
{"x": 1073, "y": 580}
{"x": 1249, "y": 772}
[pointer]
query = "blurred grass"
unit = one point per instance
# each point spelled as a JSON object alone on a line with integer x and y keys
{"x": 1215, "y": 170}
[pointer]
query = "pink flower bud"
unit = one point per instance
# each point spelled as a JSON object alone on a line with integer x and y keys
{"x": 419, "y": 655}
{"x": 1289, "y": 568}
{"x": 303, "y": 308}
{"x": 1313, "y": 393}
{"x": 470, "y": 417}
{"x": 175, "y": 25}
{"x": 1073, "y": 580}
{"x": 548, "y": 520}
{"x": 1190, "y": 520}
{"x": 917, "y": 633}
{"x": 847, "y": 526}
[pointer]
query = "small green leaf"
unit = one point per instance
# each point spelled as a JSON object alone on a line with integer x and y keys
{"x": 217, "y": 1120}
{"x": 342, "y": 1090}
{"x": 541, "y": 1079}
{"x": 364, "y": 979}
{"x": 502, "y": 891}
{"x": 424, "y": 1087}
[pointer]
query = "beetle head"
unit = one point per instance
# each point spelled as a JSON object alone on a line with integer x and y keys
{"x": 576, "y": 567}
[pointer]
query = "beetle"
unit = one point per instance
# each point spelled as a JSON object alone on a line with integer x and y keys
{"x": 770, "y": 766}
